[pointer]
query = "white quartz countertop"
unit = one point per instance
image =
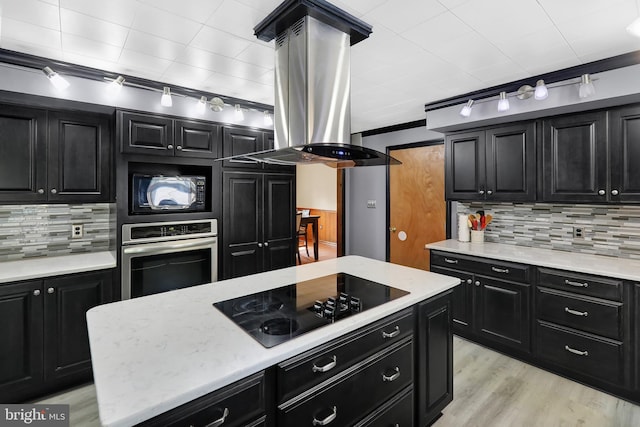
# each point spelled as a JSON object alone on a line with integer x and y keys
{"x": 158, "y": 352}
{"x": 620, "y": 268}
{"x": 13, "y": 271}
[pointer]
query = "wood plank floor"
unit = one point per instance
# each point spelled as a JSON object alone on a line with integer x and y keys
{"x": 325, "y": 251}
{"x": 490, "y": 390}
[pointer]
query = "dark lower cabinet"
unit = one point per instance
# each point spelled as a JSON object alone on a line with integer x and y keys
{"x": 258, "y": 222}
{"x": 47, "y": 345}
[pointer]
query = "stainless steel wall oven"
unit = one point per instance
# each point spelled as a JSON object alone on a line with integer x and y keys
{"x": 162, "y": 256}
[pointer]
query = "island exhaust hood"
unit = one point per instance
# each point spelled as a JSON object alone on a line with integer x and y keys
{"x": 312, "y": 116}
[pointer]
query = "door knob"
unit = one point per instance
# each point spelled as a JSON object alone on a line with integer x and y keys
{"x": 169, "y": 147}
{"x": 477, "y": 283}
{"x": 259, "y": 245}
{"x": 40, "y": 191}
{"x": 50, "y": 290}
{"x": 54, "y": 191}
{"x": 601, "y": 192}
{"x": 392, "y": 229}
{"x": 614, "y": 192}
{"x": 179, "y": 147}
{"x": 481, "y": 192}
{"x": 489, "y": 192}
{"x": 266, "y": 244}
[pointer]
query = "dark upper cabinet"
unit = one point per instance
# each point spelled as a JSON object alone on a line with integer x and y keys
{"x": 258, "y": 222}
{"x": 238, "y": 141}
{"x": 164, "y": 136}
{"x": 574, "y": 158}
{"x": 498, "y": 164}
{"x": 23, "y": 152}
{"x": 624, "y": 148}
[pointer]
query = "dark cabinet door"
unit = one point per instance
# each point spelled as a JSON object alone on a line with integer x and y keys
{"x": 242, "y": 224}
{"x": 279, "y": 221}
{"x": 79, "y": 158}
{"x": 465, "y": 166}
{"x": 625, "y": 155}
{"x": 66, "y": 344}
{"x": 462, "y": 299}
{"x": 21, "y": 337}
{"x": 511, "y": 163}
{"x": 435, "y": 357}
{"x": 23, "y": 176}
{"x": 502, "y": 312}
{"x": 145, "y": 134}
{"x": 575, "y": 158}
{"x": 238, "y": 141}
{"x": 269, "y": 144}
{"x": 197, "y": 139}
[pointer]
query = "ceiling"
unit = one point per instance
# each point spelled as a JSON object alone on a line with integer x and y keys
{"x": 420, "y": 51}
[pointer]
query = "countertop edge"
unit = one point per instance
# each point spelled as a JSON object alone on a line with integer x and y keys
{"x": 42, "y": 267}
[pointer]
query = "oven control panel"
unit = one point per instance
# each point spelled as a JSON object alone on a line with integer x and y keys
{"x": 160, "y": 231}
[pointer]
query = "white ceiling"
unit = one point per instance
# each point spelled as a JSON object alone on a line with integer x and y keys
{"x": 420, "y": 50}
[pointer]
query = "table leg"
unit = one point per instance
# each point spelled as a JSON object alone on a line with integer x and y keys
{"x": 315, "y": 240}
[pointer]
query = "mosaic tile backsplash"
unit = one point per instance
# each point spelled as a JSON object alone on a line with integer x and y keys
{"x": 28, "y": 231}
{"x": 608, "y": 230}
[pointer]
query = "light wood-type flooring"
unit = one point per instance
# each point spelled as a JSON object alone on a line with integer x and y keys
{"x": 490, "y": 390}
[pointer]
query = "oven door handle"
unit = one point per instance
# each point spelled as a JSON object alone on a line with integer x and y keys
{"x": 168, "y": 246}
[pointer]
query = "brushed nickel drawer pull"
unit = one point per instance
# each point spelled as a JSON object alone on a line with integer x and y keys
{"x": 392, "y": 377}
{"x": 327, "y": 420}
{"x": 500, "y": 270}
{"x": 450, "y": 261}
{"x": 574, "y": 351}
{"x": 393, "y": 334}
{"x": 578, "y": 284}
{"x": 220, "y": 420}
{"x": 576, "y": 313}
{"x": 329, "y": 366}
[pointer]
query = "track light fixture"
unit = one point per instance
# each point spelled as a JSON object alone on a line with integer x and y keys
{"x": 466, "y": 110}
{"x": 587, "y": 88}
{"x": 216, "y": 104}
{"x": 503, "y": 103}
{"x": 56, "y": 80}
{"x": 268, "y": 119}
{"x": 239, "y": 114}
{"x": 541, "y": 91}
{"x": 115, "y": 86}
{"x": 165, "y": 100}
{"x": 201, "y": 106}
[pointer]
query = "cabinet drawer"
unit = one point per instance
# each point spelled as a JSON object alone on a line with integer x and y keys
{"x": 581, "y": 283}
{"x": 581, "y": 353}
{"x": 319, "y": 364}
{"x": 397, "y": 412}
{"x": 506, "y": 271}
{"x": 359, "y": 391}
{"x": 584, "y": 313}
{"x": 238, "y": 404}
{"x": 449, "y": 260}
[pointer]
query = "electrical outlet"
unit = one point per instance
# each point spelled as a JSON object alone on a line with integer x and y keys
{"x": 77, "y": 231}
{"x": 578, "y": 232}
{"x": 371, "y": 204}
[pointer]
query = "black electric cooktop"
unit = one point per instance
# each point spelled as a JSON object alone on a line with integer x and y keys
{"x": 278, "y": 315}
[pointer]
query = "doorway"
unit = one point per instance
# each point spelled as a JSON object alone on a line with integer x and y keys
{"x": 416, "y": 208}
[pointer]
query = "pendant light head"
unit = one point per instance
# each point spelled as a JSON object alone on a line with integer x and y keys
{"x": 587, "y": 88}
{"x": 503, "y": 103}
{"x": 201, "y": 106}
{"x": 541, "y": 91}
{"x": 466, "y": 110}
{"x": 166, "y": 101}
{"x": 239, "y": 113}
{"x": 56, "y": 80}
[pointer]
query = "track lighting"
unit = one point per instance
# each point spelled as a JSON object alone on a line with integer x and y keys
{"x": 56, "y": 80}
{"x": 201, "y": 106}
{"x": 503, "y": 103}
{"x": 268, "y": 120}
{"x": 216, "y": 104}
{"x": 166, "y": 101}
{"x": 466, "y": 110}
{"x": 238, "y": 113}
{"x": 587, "y": 88}
{"x": 541, "y": 91}
{"x": 116, "y": 85}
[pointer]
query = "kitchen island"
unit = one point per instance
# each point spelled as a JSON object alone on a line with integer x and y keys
{"x": 155, "y": 353}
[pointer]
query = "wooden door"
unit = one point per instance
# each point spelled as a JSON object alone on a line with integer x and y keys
{"x": 417, "y": 208}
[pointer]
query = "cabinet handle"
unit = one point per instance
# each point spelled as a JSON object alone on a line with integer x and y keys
{"x": 577, "y": 284}
{"x": 324, "y": 368}
{"x": 393, "y": 334}
{"x": 489, "y": 192}
{"x": 574, "y": 351}
{"x": 450, "y": 261}
{"x": 327, "y": 420}
{"x": 179, "y": 147}
{"x": 50, "y": 290}
{"x": 477, "y": 283}
{"x": 40, "y": 191}
{"x": 500, "y": 270}
{"x": 393, "y": 376}
{"x": 481, "y": 192}
{"x": 576, "y": 313}
{"x": 169, "y": 147}
{"x": 469, "y": 281}
{"x": 259, "y": 245}
{"x": 266, "y": 244}
{"x": 54, "y": 191}
{"x": 601, "y": 192}
{"x": 220, "y": 420}
{"x": 614, "y": 192}
{"x": 36, "y": 292}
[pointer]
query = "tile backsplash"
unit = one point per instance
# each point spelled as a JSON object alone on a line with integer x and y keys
{"x": 28, "y": 231}
{"x": 608, "y": 229}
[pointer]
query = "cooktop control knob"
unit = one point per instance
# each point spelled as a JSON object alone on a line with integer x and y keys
{"x": 318, "y": 307}
{"x": 355, "y": 304}
{"x": 344, "y": 298}
{"x": 331, "y": 301}
{"x": 329, "y": 312}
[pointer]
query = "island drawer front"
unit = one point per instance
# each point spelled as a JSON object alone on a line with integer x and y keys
{"x": 455, "y": 261}
{"x": 587, "y": 314}
{"x": 243, "y": 402}
{"x": 357, "y": 392}
{"x": 397, "y": 412}
{"x": 317, "y": 365}
{"x": 506, "y": 271}
{"x": 581, "y": 353}
{"x": 584, "y": 284}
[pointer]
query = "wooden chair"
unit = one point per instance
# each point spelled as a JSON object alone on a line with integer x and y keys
{"x": 301, "y": 231}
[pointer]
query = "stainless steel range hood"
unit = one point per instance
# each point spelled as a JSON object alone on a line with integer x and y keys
{"x": 312, "y": 116}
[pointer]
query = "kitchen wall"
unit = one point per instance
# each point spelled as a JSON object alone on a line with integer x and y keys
{"x": 316, "y": 187}
{"x": 28, "y": 231}
{"x": 608, "y": 230}
{"x": 366, "y": 228}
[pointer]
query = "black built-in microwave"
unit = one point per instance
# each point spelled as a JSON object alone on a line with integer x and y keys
{"x": 163, "y": 193}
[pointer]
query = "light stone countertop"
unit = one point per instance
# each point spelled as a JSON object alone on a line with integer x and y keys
{"x": 158, "y": 352}
{"x": 620, "y": 268}
{"x": 35, "y": 268}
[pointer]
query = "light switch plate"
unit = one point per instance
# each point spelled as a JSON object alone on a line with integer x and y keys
{"x": 371, "y": 204}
